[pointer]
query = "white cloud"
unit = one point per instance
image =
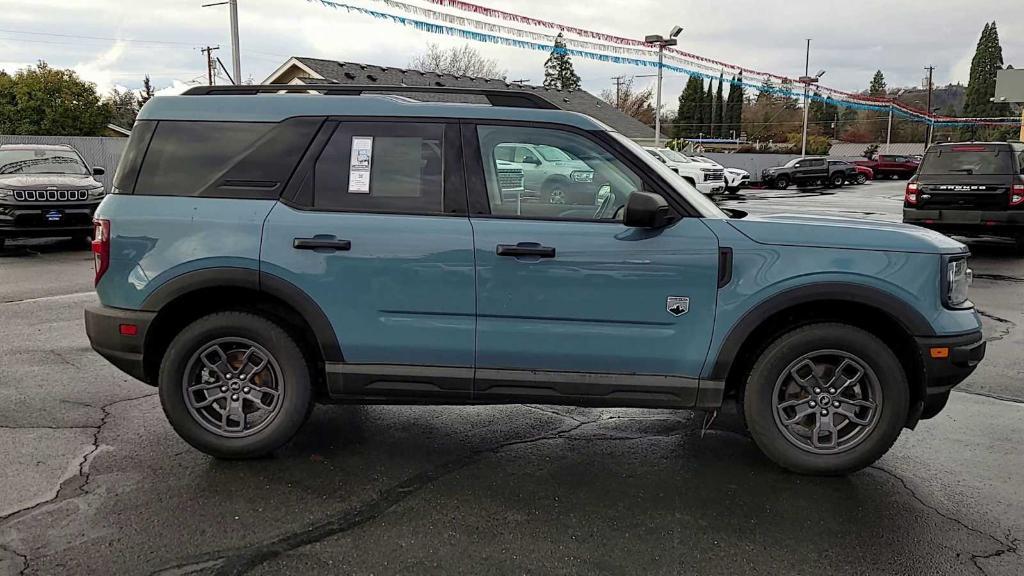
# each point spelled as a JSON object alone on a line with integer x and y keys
{"x": 100, "y": 70}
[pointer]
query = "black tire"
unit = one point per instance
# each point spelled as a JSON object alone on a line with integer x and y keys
{"x": 861, "y": 179}
{"x": 770, "y": 378}
{"x": 3, "y": 241}
{"x": 781, "y": 183}
{"x": 836, "y": 180}
{"x": 286, "y": 363}
{"x": 556, "y": 191}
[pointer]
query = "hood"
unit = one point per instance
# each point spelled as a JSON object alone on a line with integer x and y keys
{"x": 506, "y": 165}
{"x": 737, "y": 171}
{"x": 43, "y": 181}
{"x": 694, "y": 165}
{"x": 847, "y": 233}
{"x": 574, "y": 165}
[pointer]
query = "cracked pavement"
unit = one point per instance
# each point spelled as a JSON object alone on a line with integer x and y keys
{"x": 94, "y": 481}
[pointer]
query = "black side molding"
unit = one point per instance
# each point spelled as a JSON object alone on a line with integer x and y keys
{"x": 724, "y": 267}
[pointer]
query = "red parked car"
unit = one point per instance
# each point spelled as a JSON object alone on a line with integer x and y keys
{"x": 863, "y": 174}
{"x": 891, "y": 166}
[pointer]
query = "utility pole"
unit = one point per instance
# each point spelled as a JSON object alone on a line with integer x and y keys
{"x": 521, "y": 81}
{"x": 931, "y": 123}
{"x": 618, "y": 90}
{"x": 211, "y": 63}
{"x": 661, "y": 42}
{"x": 888, "y": 131}
{"x": 236, "y": 59}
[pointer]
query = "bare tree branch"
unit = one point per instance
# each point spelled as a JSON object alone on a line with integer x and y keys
{"x": 464, "y": 61}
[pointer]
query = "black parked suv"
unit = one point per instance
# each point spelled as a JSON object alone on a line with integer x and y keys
{"x": 807, "y": 171}
{"x": 46, "y": 191}
{"x": 969, "y": 189}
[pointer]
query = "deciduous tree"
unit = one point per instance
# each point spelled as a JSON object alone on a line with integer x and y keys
{"x": 40, "y": 100}
{"x": 457, "y": 61}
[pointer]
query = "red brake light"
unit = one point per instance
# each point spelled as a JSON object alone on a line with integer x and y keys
{"x": 100, "y": 247}
{"x": 1017, "y": 194}
{"x": 969, "y": 149}
{"x": 910, "y": 196}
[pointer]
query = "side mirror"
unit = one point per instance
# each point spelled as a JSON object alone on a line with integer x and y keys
{"x": 97, "y": 171}
{"x": 646, "y": 210}
{"x": 530, "y": 160}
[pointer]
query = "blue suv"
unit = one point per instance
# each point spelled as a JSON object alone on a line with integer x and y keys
{"x": 264, "y": 251}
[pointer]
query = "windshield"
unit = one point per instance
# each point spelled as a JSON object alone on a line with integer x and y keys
{"x": 792, "y": 162}
{"x": 552, "y": 154}
{"x": 705, "y": 207}
{"x": 35, "y": 161}
{"x": 673, "y": 156}
{"x": 967, "y": 160}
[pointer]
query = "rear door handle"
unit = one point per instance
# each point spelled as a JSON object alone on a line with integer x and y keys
{"x": 526, "y": 249}
{"x": 321, "y": 244}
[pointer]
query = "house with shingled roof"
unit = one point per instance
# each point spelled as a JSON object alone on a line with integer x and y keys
{"x": 300, "y": 70}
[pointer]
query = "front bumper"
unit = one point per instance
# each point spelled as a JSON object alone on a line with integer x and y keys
{"x": 38, "y": 220}
{"x": 713, "y": 187}
{"x": 103, "y": 326}
{"x": 968, "y": 222}
{"x": 948, "y": 360}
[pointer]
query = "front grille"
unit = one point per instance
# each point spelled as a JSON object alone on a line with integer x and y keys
{"x": 714, "y": 176}
{"x": 51, "y": 195}
{"x": 510, "y": 179}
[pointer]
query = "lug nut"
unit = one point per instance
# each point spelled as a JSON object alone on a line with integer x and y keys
{"x": 234, "y": 396}
{"x": 836, "y": 405}
{"x": 831, "y": 390}
{"x": 223, "y": 388}
{"x": 812, "y": 404}
{"x": 241, "y": 376}
{"x": 817, "y": 390}
{"x": 231, "y": 376}
{"x": 246, "y": 389}
{"x": 824, "y": 412}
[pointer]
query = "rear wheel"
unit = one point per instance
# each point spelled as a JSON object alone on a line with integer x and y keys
{"x": 826, "y": 399}
{"x": 555, "y": 192}
{"x": 836, "y": 180}
{"x": 861, "y": 179}
{"x": 235, "y": 385}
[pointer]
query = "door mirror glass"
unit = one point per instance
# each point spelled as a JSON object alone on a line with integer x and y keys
{"x": 97, "y": 171}
{"x": 530, "y": 160}
{"x": 646, "y": 210}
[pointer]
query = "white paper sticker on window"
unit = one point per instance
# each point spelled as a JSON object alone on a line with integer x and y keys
{"x": 359, "y": 167}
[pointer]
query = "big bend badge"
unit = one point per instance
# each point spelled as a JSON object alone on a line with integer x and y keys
{"x": 677, "y": 305}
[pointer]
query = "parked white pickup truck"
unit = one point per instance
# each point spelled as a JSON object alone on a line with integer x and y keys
{"x": 707, "y": 178}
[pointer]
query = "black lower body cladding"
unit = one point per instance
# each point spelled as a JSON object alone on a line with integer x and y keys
{"x": 967, "y": 222}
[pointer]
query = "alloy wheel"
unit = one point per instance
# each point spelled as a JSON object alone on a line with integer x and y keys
{"x": 827, "y": 401}
{"x": 233, "y": 387}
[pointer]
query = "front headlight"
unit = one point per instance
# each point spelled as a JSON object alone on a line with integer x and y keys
{"x": 6, "y": 194}
{"x": 95, "y": 193}
{"x": 582, "y": 176}
{"x": 958, "y": 279}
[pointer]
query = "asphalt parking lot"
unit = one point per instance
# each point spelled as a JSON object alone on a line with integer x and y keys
{"x": 94, "y": 481}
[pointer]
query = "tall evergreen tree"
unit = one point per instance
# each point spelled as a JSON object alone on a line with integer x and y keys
{"x": 877, "y": 87}
{"x": 718, "y": 120}
{"x": 147, "y": 91}
{"x": 988, "y": 59}
{"x": 558, "y": 71}
{"x": 734, "y": 107}
{"x": 708, "y": 110}
{"x": 688, "y": 116}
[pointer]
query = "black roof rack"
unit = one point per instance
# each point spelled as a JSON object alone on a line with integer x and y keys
{"x": 496, "y": 97}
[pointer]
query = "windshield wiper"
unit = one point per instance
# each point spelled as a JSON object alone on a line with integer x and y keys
{"x": 968, "y": 171}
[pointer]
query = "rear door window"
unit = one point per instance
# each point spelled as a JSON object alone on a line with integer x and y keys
{"x": 382, "y": 167}
{"x": 968, "y": 160}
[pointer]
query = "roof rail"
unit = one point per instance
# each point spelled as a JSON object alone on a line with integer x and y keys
{"x": 496, "y": 97}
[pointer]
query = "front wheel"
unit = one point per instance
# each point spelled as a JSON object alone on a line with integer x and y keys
{"x": 826, "y": 399}
{"x": 861, "y": 179}
{"x": 235, "y": 385}
{"x": 782, "y": 182}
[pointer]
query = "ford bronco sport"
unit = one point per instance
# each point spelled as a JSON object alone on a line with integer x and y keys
{"x": 971, "y": 189}
{"x": 263, "y": 251}
{"x": 46, "y": 190}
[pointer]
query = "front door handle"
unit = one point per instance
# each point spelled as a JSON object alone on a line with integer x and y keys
{"x": 321, "y": 244}
{"x": 526, "y": 249}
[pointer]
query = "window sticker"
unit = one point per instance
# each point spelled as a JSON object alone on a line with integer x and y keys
{"x": 359, "y": 167}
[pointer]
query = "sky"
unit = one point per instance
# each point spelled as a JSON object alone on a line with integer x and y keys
{"x": 114, "y": 43}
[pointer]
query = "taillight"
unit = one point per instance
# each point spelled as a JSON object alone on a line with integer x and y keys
{"x": 910, "y": 196}
{"x": 100, "y": 247}
{"x": 1017, "y": 194}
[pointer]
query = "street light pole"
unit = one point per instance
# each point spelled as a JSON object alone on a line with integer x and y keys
{"x": 931, "y": 122}
{"x": 662, "y": 42}
{"x": 807, "y": 80}
{"x": 236, "y": 58}
{"x": 888, "y": 130}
